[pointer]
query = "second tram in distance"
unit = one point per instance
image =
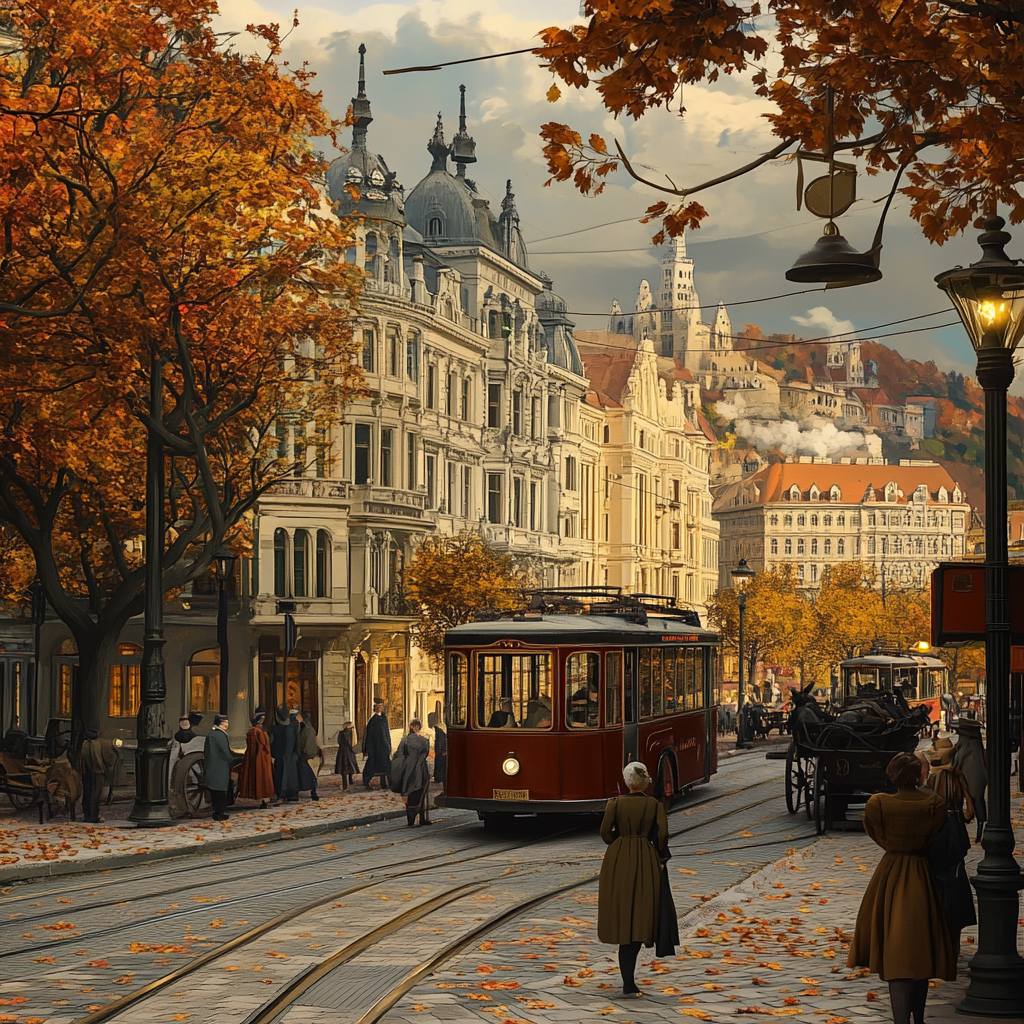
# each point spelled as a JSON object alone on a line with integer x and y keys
{"x": 921, "y": 678}
{"x": 545, "y": 707}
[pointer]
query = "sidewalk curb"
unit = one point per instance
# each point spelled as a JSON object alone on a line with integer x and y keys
{"x": 53, "y": 869}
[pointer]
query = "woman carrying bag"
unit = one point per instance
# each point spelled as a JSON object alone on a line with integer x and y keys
{"x": 410, "y": 774}
{"x": 632, "y": 874}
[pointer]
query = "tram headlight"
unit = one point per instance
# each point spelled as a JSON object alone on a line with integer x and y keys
{"x": 511, "y": 765}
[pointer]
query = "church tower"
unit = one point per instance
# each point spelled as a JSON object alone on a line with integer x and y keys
{"x": 678, "y": 303}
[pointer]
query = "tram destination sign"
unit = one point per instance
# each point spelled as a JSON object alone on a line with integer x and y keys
{"x": 510, "y": 794}
{"x": 676, "y": 638}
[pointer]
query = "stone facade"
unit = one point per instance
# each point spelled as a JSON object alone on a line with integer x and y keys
{"x": 901, "y": 519}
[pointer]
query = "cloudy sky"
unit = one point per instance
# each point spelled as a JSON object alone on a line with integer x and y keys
{"x": 595, "y": 249}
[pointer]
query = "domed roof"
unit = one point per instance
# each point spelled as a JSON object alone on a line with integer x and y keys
{"x": 410, "y": 234}
{"x": 359, "y": 182}
{"x": 558, "y": 329}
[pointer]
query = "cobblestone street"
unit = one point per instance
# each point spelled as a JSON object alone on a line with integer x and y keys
{"x": 454, "y": 924}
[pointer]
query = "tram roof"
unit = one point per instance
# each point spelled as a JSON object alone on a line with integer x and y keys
{"x": 893, "y": 660}
{"x": 534, "y": 628}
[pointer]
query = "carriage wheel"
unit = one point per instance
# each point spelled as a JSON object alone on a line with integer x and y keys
{"x": 810, "y": 774}
{"x": 819, "y": 803}
{"x": 792, "y": 780}
{"x": 20, "y": 801}
{"x": 189, "y": 797}
{"x": 666, "y": 785}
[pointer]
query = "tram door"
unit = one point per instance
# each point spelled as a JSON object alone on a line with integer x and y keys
{"x": 631, "y": 716}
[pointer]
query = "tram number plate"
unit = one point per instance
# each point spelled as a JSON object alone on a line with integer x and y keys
{"x": 511, "y": 794}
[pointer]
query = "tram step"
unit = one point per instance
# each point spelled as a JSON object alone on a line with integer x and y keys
{"x": 776, "y": 755}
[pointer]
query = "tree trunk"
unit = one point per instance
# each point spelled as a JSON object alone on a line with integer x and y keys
{"x": 93, "y": 691}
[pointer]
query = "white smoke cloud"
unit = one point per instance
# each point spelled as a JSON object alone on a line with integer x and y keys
{"x": 824, "y": 322}
{"x": 816, "y": 437}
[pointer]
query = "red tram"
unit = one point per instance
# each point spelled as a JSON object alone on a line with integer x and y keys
{"x": 545, "y": 707}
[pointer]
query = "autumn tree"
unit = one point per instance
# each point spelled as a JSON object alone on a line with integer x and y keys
{"x": 929, "y": 88}
{"x": 451, "y": 578}
{"x": 907, "y": 617}
{"x": 964, "y": 661}
{"x": 160, "y": 205}
{"x": 775, "y": 626}
{"x": 844, "y": 617}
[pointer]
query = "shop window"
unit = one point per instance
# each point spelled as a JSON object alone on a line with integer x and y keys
{"x": 582, "y": 707}
{"x": 125, "y": 681}
{"x": 391, "y": 689}
{"x": 204, "y": 681}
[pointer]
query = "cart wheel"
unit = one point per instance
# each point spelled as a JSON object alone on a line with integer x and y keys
{"x": 819, "y": 803}
{"x": 188, "y": 797}
{"x": 20, "y": 801}
{"x": 792, "y": 785}
{"x": 810, "y": 773}
{"x": 666, "y": 785}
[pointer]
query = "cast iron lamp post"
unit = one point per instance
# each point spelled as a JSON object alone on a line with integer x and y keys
{"x": 741, "y": 576}
{"x": 989, "y": 298}
{"x": 224, "y": 562}
{"x": 152, "y": 755}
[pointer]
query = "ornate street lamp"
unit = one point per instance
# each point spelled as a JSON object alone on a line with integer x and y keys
{"x": 224, "y": 562}
{"x": 741, "y": 576}
{"x": 152, "y": 754}
{"x": 989, "y": 297}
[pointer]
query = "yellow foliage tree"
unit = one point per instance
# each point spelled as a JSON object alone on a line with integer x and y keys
{"x": 451, "y": 578}
{"x": 907, "y": 618}
{"x": 775, "y": 626}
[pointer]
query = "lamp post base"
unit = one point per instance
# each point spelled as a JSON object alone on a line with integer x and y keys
{"x": 151, "y": 809}
{"x": 996, "y": 988}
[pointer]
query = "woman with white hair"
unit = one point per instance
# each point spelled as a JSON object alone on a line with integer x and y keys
{"x": 636, "y": 831}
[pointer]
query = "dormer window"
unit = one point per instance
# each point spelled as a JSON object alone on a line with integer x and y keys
{"x": 815, "y": 493}
{"x": 834, "y": 493}
{"x": 794, "y": 493}
{"x": 434, "y": 228}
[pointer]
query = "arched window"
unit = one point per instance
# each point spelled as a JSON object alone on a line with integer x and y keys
{"x": 841, "y": 520}
{"x": 789, "y": 546}
{"x": 814, "y": 520}
{"x": 323, "y": 563}
{"x": 774, "y": 520}
{"x": 840, "y": 547}
{"x": 280, "y": 563}
{"x": 204, "y": 681}
{"x": 826, "y": 521}
{"x": 787, "y": 521}
{"x": 828, "y": 546}
{"x": 300, "y": 548}
{"x": 775, "y": 546}
{"x": 799, "y": 545}
{"x": 435, "y": 228}
{"x": 814, "y": 545}
{"x": 801, "y": 520}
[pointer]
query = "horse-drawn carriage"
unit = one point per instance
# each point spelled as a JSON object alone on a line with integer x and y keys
{"x": 835, "y": 761}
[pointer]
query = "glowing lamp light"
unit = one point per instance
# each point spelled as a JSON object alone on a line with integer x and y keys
{"x": 511, "y": 765}
{"x": 923, "y": 645}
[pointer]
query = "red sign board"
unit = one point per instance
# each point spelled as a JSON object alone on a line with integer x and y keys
{"x": 958, "y": 603}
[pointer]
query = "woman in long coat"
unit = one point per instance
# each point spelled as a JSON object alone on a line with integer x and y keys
{"x": 629, "y": 887}
{"x": 412, "y": 778}
{"x": 284, "y": 748}
{"x": 345, "y": 764}
{"x": 256, "y": 776}
{"x": 901, "y": 933}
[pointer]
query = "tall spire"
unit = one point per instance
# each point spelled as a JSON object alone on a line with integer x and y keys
{"x": 510, "y": 241}
{"x": 360, "y": 106}
{"x": 463, "y": 147}
{"x": 436, "y": 147}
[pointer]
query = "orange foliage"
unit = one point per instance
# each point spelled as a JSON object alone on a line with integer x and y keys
{"x": 931, "y": 86}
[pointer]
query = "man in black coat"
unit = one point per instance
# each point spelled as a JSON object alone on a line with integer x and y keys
{"x": 377, "y": 747}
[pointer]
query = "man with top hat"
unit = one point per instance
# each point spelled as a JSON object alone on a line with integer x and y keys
{"x": 969, "y": 757}
{"x": 185, "y": 735}
{"x": 377, "y": 747}
{"x": 217, "y": 767}
{"x": 256, "y": 776}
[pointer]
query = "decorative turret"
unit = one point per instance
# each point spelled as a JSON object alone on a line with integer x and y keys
{"x": 463, "y": 147}
{"x": 360, "y": 106}
{"x": 510, "y": 238}
{"x": 437, "y": 148}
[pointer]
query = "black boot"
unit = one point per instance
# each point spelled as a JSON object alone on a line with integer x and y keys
{"x": 627, "y": 968}
{"x": 901, "y": 996}
{"x": 917, "y": 1000}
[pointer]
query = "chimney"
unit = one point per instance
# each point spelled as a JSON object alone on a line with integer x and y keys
{"x": 419, "y": 287}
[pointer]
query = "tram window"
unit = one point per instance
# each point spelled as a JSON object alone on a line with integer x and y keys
{"x": 514, "y": 690}
{"x": 582, "y": 710}
{"x": 657, "y": 684}
{"x": 698, "y": 678}
{"x": 932, "y": 683}
{"x": 645, "y": 683}
{"x": 715, "y": 668}
{"x": 671, "y": 704}
{"x": 458, "y": 690}
{"x": 612, "y": 688}
{"x": 904, "y": 679}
